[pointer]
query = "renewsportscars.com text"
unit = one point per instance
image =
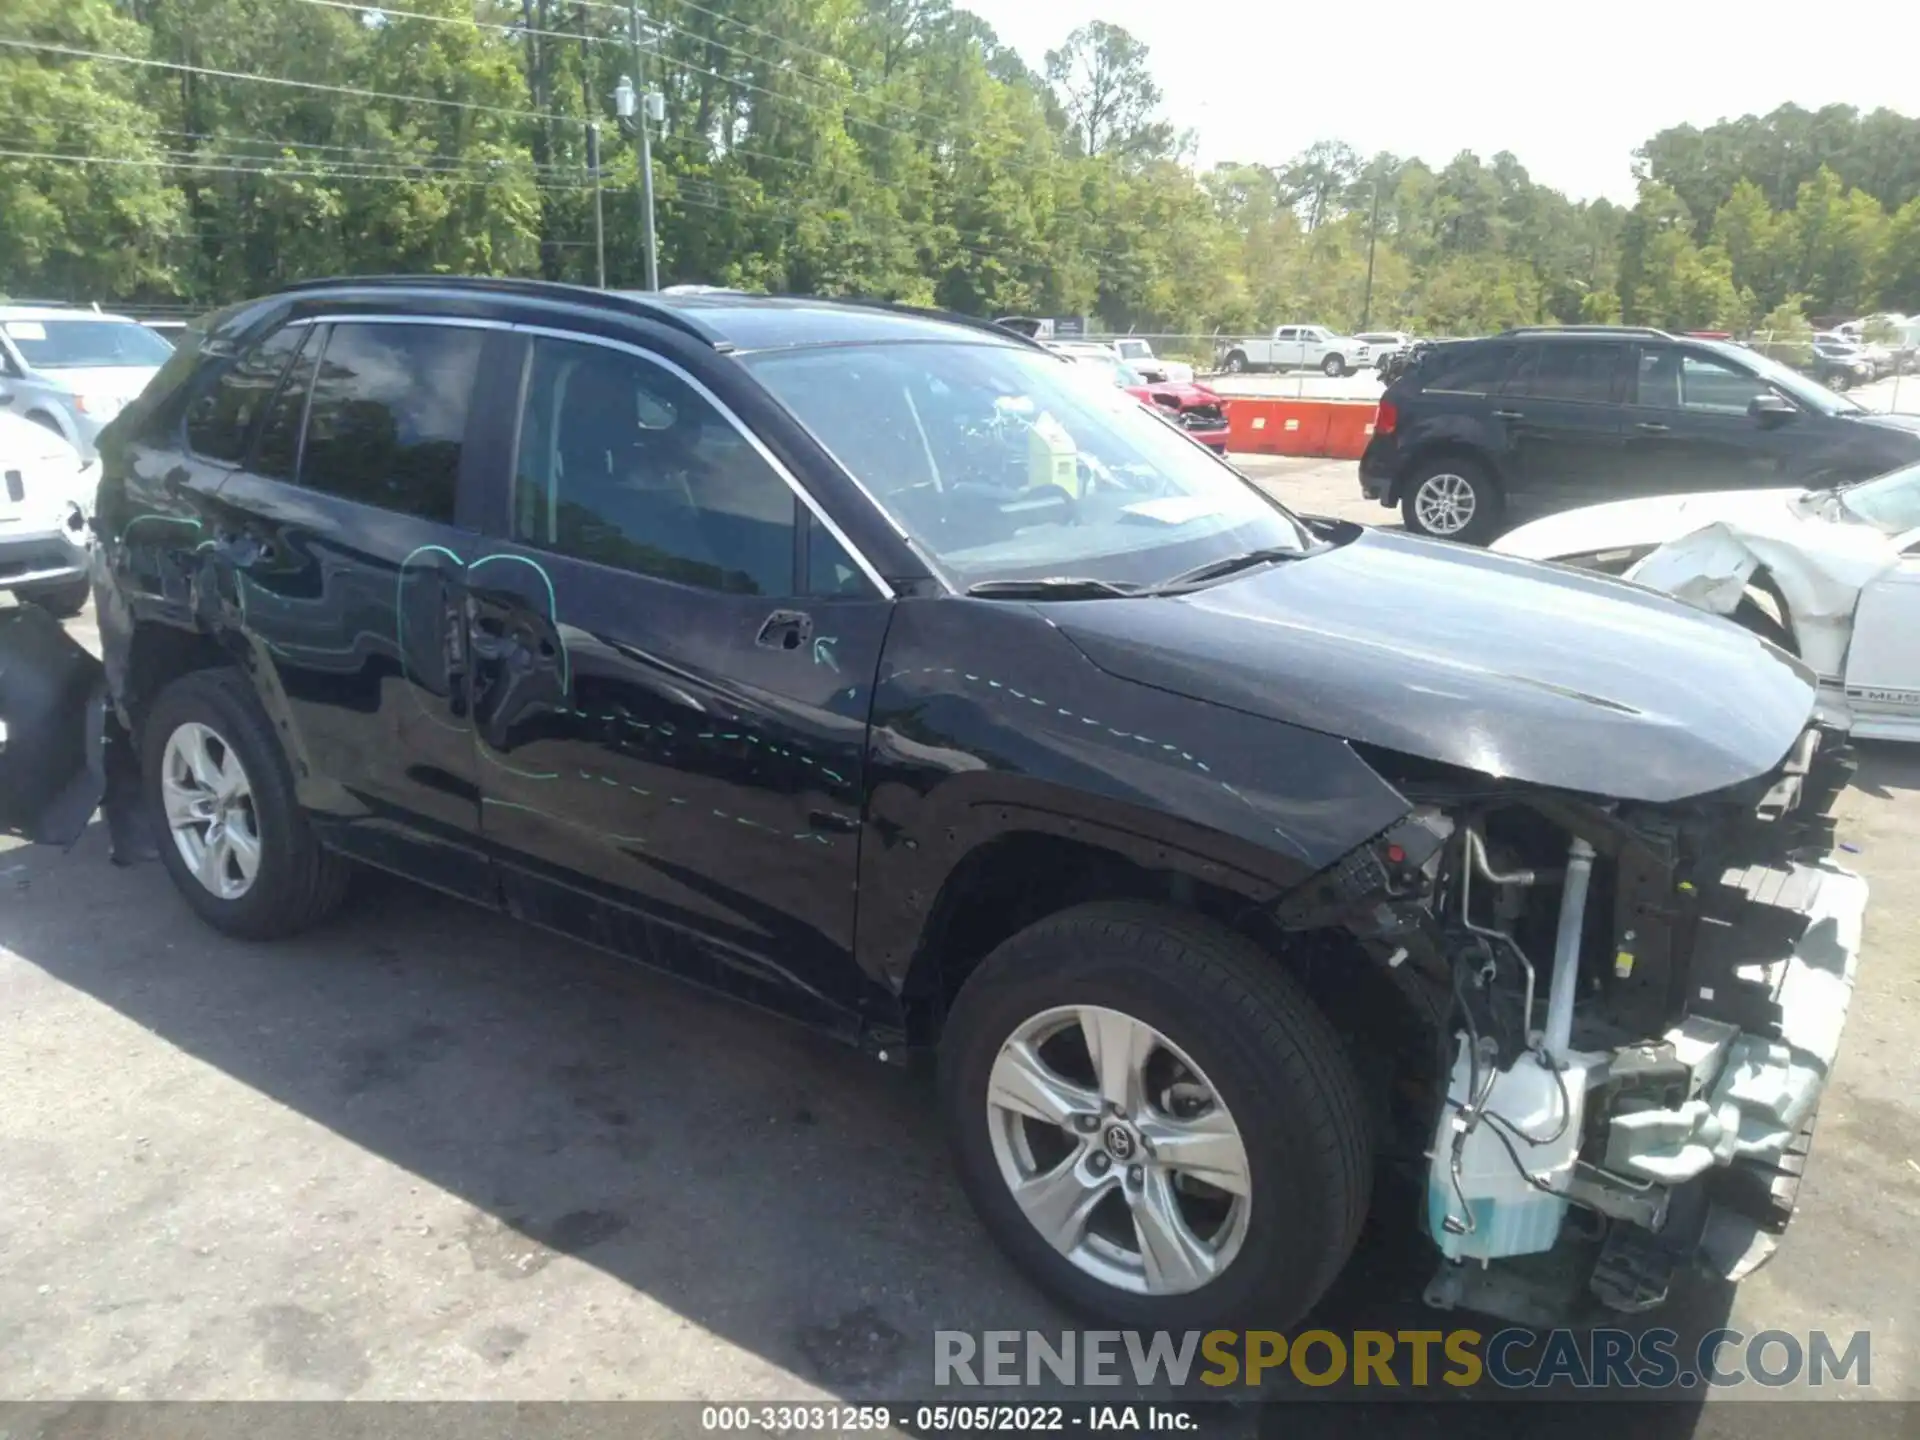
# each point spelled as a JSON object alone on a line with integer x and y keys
{"x": 1512, "y": 1359}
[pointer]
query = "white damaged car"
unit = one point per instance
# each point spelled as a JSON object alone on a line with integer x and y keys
{"x": 1832, "y": 575}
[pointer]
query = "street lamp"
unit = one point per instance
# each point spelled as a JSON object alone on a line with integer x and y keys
{"x": 626, "y": 103}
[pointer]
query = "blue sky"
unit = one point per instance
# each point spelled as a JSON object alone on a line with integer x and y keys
{"x": 1569, "y": 89}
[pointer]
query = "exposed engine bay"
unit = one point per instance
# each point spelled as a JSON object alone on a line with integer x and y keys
{"x": 1643, "y": 1002}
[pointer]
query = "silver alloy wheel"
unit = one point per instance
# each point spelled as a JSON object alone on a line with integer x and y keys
{"x": 209, "y": 804}
{"x": 1445, "y": 503}
{"x": 1119, "y": 1150}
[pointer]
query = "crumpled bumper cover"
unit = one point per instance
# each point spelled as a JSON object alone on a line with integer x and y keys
{"x": 1753, "y": 1094}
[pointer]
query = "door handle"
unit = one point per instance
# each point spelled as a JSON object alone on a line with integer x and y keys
{"x": 1506, "y": 414}
{"x": 1652, "y": 427}
{"x": 785, "y": 630}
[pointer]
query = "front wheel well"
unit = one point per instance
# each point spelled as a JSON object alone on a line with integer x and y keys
{"x": 1017, "y": 880}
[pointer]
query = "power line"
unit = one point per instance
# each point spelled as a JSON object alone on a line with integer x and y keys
{"x": 76, "y": 53}
{"x": 273, "y": 171}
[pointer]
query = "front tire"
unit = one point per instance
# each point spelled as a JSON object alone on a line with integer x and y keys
{"x": 1154, "y": 1121}
{"x": 232, "y": 834}
{"x": 1335, "y": 366}
{"x": 1452, "y": 498}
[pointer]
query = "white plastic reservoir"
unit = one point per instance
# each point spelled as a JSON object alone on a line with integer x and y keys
{"x": 1504, "y": 1214}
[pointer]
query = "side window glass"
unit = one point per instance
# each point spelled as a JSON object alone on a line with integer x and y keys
{"x": 220, "y": 420}
{"x": 388, "y": 416}
{"x": 623, "y": 463}
{"x": 1471, "y": 370}
{"x": 1707, "y": 384}
{"x": 1658, "y": 383}
{"x": 1571, "y": 371}
{"x": 276, "y": 454}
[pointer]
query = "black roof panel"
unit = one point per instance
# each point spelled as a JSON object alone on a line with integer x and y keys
{"x": 725, "y": 319}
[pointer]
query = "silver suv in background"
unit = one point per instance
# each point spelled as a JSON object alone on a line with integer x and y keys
{"x": 73, "y": 370}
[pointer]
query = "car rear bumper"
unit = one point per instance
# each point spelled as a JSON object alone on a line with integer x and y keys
{"x": 1379, "y": 467}
{"x": 43, "y": 554}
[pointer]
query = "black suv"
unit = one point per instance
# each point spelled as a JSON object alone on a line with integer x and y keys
{"x": 871, "y": 666}
{"x": 1479, "y": 435}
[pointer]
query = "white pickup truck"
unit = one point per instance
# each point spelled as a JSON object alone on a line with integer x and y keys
{"x": 1297, "y": 347}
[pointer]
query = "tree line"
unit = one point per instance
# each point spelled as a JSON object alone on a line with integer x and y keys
{"x": 199, "y": 151}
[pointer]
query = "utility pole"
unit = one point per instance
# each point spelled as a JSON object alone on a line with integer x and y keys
{"x": 599, "y": 214}
{"x": 1373, "y": 231}
{"x": 655, "y": 111}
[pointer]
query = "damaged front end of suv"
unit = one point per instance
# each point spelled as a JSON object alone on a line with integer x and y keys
{"x": 1644, "y": 1002}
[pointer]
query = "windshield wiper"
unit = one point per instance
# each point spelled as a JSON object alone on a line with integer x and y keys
{"x": 1052, "y": 587}
{"x": 1229, "y": 565}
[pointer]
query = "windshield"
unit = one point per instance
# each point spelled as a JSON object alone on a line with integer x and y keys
{"x": 1889, "y": 503}
{"x": 73, "y": 344}
{"x": 1791, "y": 382}
{"x": 1002, "y": 464}
{"x": 1135, "y": 350}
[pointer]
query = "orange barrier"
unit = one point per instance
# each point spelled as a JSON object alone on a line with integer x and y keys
{"x": 1268, "y": 425}
{"x": 1349, "y": 428}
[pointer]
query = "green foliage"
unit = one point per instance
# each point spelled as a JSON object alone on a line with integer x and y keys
{"x": 886, "y": 148}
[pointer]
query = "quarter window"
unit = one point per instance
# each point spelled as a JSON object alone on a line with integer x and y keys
{"x": 1468, "y": 370}
{"x": 389, "y": 415}
{"x": 623, "y": 463}
{"x": 220, "y": 421}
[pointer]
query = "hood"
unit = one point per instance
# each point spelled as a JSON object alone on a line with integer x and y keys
{"x": 1184, "y": 395}
{"x": 1496, "y": 665}
{"x": 1905, "y": 424}
{"x": 116, "y": 383}
{"x": 1655, "y": 520}
{"x": 27, "y": 442}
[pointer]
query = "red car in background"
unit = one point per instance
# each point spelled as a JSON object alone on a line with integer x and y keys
{"x": 1201, "y": 412}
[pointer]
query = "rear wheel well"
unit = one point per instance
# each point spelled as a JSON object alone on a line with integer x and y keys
{"x": 160, "y": 654}
{"x": 1013, "y": 882}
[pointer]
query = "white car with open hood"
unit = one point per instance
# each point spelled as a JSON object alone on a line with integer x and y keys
{"x": 1832, "y": 575}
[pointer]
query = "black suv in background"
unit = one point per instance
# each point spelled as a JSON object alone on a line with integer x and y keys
{"x": 1478, "y": 435}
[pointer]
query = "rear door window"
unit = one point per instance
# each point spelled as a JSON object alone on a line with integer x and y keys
{"x": 276, "y": 454}
{"x": 1577, "y": 371}
{"x": 220, "y": 421}
{"x": 388, "y": 415}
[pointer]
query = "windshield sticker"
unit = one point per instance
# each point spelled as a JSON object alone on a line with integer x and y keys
{"x": 26, "y": 330}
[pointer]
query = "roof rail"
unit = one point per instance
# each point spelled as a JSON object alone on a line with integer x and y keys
{"x": 1646, "y": 330}
{"x": 634, "y": 302}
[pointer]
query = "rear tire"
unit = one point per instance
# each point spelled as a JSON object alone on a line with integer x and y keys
{"x": 1452, "y": 498}
{"x": 63, "y": 601}
{"x": 295, "y": 882}
{"x": 1236, "y": 363}
{"x": 1241, "y": 1050}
